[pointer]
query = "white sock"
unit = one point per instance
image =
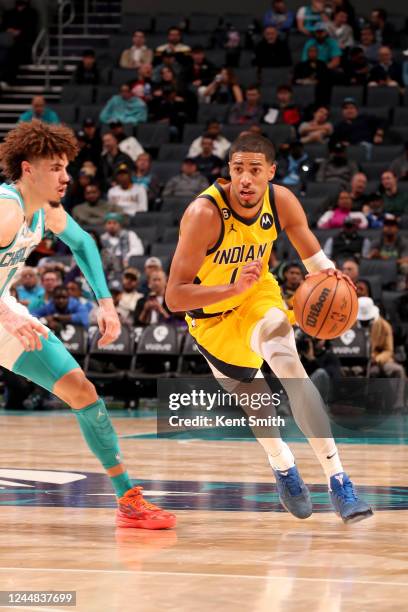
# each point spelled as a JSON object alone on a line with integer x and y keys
{"x": 326, "y": 452}
{"x": 280, "y": 458}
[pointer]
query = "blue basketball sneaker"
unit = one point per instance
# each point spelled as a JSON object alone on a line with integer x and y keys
{"x": 293, "y": 493}
{"x": 345, "y": 501}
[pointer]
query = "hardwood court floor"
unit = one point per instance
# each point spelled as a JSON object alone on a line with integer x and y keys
{"x": 226, "y": 559}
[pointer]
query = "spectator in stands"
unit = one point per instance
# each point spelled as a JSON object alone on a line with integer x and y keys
{"x": 340, "y": 30}
{"x": 358, "y": 190}
{"x": 49, "y": 280}
{"x": 272, "y": 51}
{"x": 320, "y": 363}
{"x": 168, "y": 60}
{"x": 138, "y": 54}
{"x": 333, "y": 219}
{"x": 170, "y": 107}
{"x": 284, "y": 109}
{"x": 87, "y": 71}
{"x": 369, "y": 44}
{"x": 174, "y": 44}
{"x": 224, "y": 89}
{"x": 250, "y": 111}
{"x": 347, "y": 243}
{"x": 279, "y": 17}
{"x": 352, "y": 269}
{"x": 200, "y": 72}
{"x": 39, "y": 111}
{"x": 387, "y": 72}
{"x": 127, "y": 196}
{"x": 291, "y": 167}
{"x": 355, "y": 128}
{"x": 208, "y": 164}
{"x": 337, "y": 167}
{"x": 74, "y": 288}
{"x": 142, "y": 87}
{"x": 92, "y": 139}
{"x": 28, "y": 287}
{"x": 292, "y": 279}
{"x": 319, "y": 129}
{"x": 152, "y": 308}
{"x": 21, "y": 23}
{"x": 383, "y": 30}
{"x": 399, "y": 166}
{"x": 145, "y": 177}
{"x": 363, "y": 288}
{"x": 152, "y": 264}
{"x": 308, "y": 16}
{"x": 391, "y": 245}
{"x": 94, "y": 209}
{"x": 356, "y": 67}
{"x": 62, "y": 310}
{"x": 127, "y": 144}
{"x": 124, "y": 107}
{"x": 395, "y": 201}
{"x": 328, "y": 50}
{"x": 118, "y": 244}
{"x": 374, "y": 210}
{"x": 220, "y": 144}
{"x": 382, "y": 361}
{"x": 187, "y": 184}
{"x": 314, "y": 72}
{"x": 130, "y": 295}
{"x": 112, "y": 156}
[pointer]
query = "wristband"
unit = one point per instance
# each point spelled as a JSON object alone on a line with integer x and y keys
{"x": 318, "y": 261}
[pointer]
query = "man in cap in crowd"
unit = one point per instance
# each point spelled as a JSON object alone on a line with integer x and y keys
{"x": 188, "y": 183}
{"x": 355, "y": 128}
{"x": 128, "y": 196}
{"x": 392, "y": 245}
{"x": 130, "y": 295}
{"x": 328, "y": 50}
{"x": 118, "y": 244}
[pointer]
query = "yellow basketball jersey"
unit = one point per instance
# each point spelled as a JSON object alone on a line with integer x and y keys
{"x": 240, "y": 242}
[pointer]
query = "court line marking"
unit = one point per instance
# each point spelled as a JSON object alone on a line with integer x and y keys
{"x": 200, "y": 574}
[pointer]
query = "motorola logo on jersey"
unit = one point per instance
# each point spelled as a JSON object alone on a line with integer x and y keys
{"x": 226, "y": 213}
{"x": 266, "y": 221}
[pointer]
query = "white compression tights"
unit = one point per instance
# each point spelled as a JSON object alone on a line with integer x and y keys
{"x": 274, "y": 340}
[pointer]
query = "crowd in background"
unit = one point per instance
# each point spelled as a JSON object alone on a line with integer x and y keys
{"x": 113, "y": 179}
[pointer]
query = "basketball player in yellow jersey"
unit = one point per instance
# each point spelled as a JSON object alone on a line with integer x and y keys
{"x": 235, "y": 312}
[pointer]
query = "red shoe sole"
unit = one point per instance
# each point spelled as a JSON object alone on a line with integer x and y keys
{"x": 165, "y": 523}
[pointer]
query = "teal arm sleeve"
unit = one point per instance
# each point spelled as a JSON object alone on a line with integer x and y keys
{"x": 87, "y": 256}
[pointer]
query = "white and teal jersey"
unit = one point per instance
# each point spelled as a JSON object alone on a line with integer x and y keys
{"x": 13, "y": 256}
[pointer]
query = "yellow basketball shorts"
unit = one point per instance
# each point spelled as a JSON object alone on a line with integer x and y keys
{"x": 225, "y": 340}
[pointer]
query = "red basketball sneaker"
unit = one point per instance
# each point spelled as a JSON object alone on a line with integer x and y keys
{"x": 134, "y": 511}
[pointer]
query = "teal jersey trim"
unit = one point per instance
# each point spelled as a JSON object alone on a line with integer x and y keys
{"x": 87, "y": 256}
{"x": 15, "y": 192}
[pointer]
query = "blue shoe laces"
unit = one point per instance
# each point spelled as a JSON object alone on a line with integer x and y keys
{"x": 292, "y": 483}
{"x": 348, "y": 492}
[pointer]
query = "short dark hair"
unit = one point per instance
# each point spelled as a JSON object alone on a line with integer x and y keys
{"x": 61, "y": 289}
{"x": 253, "y": 143}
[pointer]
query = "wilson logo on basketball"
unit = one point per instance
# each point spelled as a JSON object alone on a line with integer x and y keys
{"x": 315, "y": 308}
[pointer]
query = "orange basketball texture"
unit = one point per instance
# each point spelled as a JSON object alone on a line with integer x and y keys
{"x": 325, "y": 307}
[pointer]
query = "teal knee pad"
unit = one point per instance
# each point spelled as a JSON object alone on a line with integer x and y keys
{"x": 47, "y": 366}
{"x": 97, "y": 429}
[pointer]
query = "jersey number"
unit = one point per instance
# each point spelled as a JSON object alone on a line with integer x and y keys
{"x": 8, "y": 279}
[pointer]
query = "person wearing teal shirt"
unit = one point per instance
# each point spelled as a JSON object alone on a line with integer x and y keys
{"x": 125, "y": 108}
{"x": 328, "y": 51}
{"x": 39, "y": 111}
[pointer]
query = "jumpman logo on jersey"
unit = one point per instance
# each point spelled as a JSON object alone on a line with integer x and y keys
{"x": 232, "y": 229}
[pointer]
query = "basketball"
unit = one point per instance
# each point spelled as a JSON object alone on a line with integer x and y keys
{"x": 325, "y": 306}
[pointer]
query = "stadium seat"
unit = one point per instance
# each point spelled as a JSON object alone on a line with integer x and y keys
{"x": 383, "y": 96}
{"x": 110, "y": 363}
{"x": 275, "y": 76}
{"x": 385, "y": 269}
{"x": 123, "y": 75}
{"x": 152, "y": 135}
{"x": 246, "y": 58}
{"x": 192, "y": 131}
{"x": 216, "y": 56}
{"x": 170, "y": 234}
{"x": 339, "y": 92}
{"x": 89, "y": 110}
{"x": 268, "y": 94}
{"x": 304, "y": 95}
{"x": 318, "y": 190}
{"x": 121, "y": 41}
{"x": 173, "y": 151}
{"x": 157, "y": 352}
{"x": 159, "y": 220}
{"x": 400, "y": 117}
{"x": 193, "y": 40}
{"x": 357, "y": 153}
{"x": 386, "y": 153}
{"x": 75, "y": 340}
{"x": 66, "y": 112}
{"x": 191, "y": 361}
{"x": 313, "y": 207}
{"x": 238, "y": 20}
{"x": 200, "y": 22}
{"x": 131, "y": 22}
{"x": 231, "y": 132}
{"x": 213, "y": 111}
{"x": 77, "y": 94}
{"x": 105, "y": 92}
{"x": 163, "y": 249}
{"x": 166, "y": 170}
{"x": 147, "y": 235}
{"x": 374, "y": 280}
{"x": 164, "y": 21}
{"x": 279, "y": 133}
{"x": 373, "y": 170}
{"x": 247, "y": 76}
{"x": 316, "y": 150}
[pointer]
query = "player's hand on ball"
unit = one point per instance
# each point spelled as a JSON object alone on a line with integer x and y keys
{"x": 27, "y": 331}
{"x": 334, "y": 272}
{"x": 248, "y": 275}
{"x": 108, "y": 322}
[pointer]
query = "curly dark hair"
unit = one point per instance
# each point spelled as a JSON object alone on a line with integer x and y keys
{"x": 35, "y": 140}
